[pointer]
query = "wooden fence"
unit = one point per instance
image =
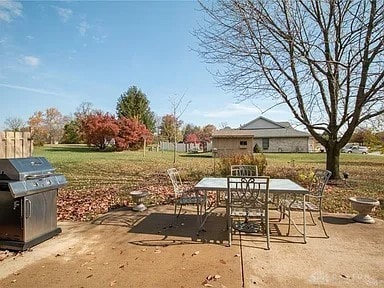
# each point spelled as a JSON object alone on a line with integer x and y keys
{"x": 15, "y": 144}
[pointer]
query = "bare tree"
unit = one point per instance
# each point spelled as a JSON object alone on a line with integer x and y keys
{"x": 14, "y": 124}
{"x": 54, "y": 122}
{"x": 323, "y": 59}
{"x": 177, "y": 112}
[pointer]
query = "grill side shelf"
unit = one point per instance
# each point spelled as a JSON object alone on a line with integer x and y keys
{"x": 36, "y": 185}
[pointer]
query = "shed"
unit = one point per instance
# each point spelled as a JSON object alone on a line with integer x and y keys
{"x": 232, "y": 141}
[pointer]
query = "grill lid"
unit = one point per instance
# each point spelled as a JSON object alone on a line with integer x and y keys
{"x": 26, "y": 176}
{"x": 24, "y": 168}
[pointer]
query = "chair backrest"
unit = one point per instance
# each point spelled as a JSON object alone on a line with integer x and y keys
{"x": 244, "y": 170}
{"x": 319, "y": 180}
{"x": 176, "y": 181}
{"x": 248, "y": 191}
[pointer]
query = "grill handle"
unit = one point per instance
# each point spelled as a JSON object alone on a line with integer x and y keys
{"x": 37, "y": 176}
{"x": 28, "y": 208}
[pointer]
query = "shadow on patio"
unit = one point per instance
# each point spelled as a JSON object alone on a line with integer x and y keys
{"x": 163, "y": 228}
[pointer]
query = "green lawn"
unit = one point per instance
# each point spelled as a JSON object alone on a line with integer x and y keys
{"x": 98, "y": 181}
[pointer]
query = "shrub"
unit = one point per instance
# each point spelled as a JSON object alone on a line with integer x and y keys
{"x": 224, "y": 165}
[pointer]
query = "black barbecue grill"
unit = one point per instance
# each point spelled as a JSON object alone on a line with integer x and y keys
{"x": 28, "y": 202}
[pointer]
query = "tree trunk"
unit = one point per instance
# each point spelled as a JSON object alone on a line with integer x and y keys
{"x": 333, "y": 161}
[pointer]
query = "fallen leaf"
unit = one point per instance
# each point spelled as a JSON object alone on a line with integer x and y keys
{"x": 209, "y": 277}
{"x": 13, "y": 281}
{"x": 343, "y": 276}
{"x": 222, "y": 261}
{"x": 195, "y": 253}
{"x": 113, "y": 283}
{"x": 89, "y": 276}
{"x": 237, "y": 255}
{"x": 217, "y": 276}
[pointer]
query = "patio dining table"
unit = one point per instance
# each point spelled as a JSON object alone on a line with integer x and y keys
{"x": 276, "y": 186}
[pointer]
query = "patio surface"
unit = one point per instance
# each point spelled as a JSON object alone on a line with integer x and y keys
{"x": 154, "y": 249}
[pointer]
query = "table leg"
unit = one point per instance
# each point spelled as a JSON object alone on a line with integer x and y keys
{"x": 207, "y": 212}
{"x": 304, "y": 221}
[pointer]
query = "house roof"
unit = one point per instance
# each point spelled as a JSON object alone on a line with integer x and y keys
{"x": 263, "y": 123}
{"x": 280, "y": 133}
{"x": 262, "y": 127}
{"x": 233, "y": 133}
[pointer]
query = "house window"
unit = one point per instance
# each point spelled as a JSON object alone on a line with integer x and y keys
{"x": 265, "y": 143}
{"x": 243, "y": 144}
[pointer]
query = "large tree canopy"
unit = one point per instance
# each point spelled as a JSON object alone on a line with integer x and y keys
{"x": 323, "y": 58}
{"x": 135, "y": 105}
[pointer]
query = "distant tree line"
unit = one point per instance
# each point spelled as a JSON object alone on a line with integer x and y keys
{"x": 133, "y": 124}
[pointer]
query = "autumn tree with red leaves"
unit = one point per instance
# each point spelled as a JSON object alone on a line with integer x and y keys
{"x": 131, "y": 135}
{"x": 191, "y": 138}
{"x": 100, "y": 129}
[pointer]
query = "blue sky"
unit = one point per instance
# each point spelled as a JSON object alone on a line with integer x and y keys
{"x": 60, "y": 54}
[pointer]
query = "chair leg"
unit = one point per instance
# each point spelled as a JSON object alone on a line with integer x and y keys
{"x": 178, "y": 214}
{"x": 267, "y": 230}
{"x": 289, "y": 221}
{"x": 282, "y": 210}
{"x": 229, "y": 228}
{"x": 198, "y": 214}
{"x": 322, "y": 224}
{"x": 313, "y": 220}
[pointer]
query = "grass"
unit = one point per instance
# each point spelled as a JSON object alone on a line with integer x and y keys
{"x": 98, "y": 181}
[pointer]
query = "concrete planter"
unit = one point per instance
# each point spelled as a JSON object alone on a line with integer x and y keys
{"x": 364, "y": 206}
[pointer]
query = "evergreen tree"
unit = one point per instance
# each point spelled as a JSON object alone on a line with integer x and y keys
{"x": 134, "y": 104}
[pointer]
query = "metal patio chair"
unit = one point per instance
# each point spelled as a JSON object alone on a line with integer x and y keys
{"x": 185, "y": 196}
{"x": 239, "y": 170}
{"x": 313, "y": 200}
{"x": 247, "y": 207}
{"x": 251, "y": 170}
{"x": 244, "y": 170}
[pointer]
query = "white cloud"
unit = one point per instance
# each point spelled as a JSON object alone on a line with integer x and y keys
{"x": 31, "y": 61}
{"x": 83, "y": 27}
{"x": 29, "y": 89}
{"x": 99, "y": 39}
{"x": 10, "y": 9}
{"x": 64, "y": 13}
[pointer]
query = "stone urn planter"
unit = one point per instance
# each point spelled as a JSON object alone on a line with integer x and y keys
{"x": 138, "y": 197}
{"x": 364, "y": 206}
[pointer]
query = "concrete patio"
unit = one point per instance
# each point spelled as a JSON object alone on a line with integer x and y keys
{"x": 153, "y": 249}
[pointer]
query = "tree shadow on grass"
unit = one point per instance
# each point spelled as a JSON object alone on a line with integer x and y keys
{"x": 197, "y": 155}
{"x": 73, "y": 149}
